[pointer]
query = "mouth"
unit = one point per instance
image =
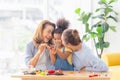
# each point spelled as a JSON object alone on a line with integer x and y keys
{"x": 47, "y": 39}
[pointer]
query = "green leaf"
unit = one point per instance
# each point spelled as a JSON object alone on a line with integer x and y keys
{"x": 105, "y": 44}
{"x": 88, "y": 16}
{"x": 85, "y": 37}
{"x": 99, "y": 35}
{"x": 102, "y": 45}
{"x": 101, "y": 40}
{"x": 101, "y": 2}
{"x": 97, "y": 24}
{"x": 93, "y": 34}
{"x": 98, "y": 9}
{"x": 105, "y": 27}
{"x": 101, "y": 16}
{"x": 84, "y": 19}
{"x": 98, "y": 45}
{"x": 87, "y": 27}
{"x": 77, "y": 11}
{"x": 111, "y": 1}
{"x": 108, "y": 10}
{"x": 112, "y": 18}
{"x": 104, "y": 1}
{"x": 115, "y": 12}
{"x": 113, "y": 28}
{"x": 83, "y": 14}
{"x": 99, "y": 29}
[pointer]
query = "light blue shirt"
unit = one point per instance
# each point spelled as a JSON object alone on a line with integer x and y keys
{"x": 44, "y": 62}
{"x": 85, "y": 58}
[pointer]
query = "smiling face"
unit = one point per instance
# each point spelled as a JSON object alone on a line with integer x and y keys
{"x": 47, "y": 33}
{"x": 66, "y": 44}
{"x": 63, "y": 41}
{"x": 57, "y": 39}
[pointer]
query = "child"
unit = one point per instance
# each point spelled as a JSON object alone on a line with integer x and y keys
{"x": 62, "y": 55}
{"x": 83, "y": 59}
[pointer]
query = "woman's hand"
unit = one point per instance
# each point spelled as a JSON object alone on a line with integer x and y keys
{"x": 52, "y": 50}
{"x": 35, "y": 59}
{"x": 42, "y": 47}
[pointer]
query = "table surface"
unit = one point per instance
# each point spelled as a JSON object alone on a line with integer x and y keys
{"x": 68, "y": 75}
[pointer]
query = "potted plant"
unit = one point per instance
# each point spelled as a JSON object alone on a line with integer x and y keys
{"x": 97, "y": 30}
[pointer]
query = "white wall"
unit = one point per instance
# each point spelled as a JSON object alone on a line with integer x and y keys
{"x": 114, "y": 37}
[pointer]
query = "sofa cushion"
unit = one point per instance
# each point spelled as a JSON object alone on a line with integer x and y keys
{"x": 111, "y": 59}
{"x": 114, "y": 72}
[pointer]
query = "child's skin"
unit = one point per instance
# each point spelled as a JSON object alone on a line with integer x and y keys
{"x": 56, "y": 49}
{"x": 71, "y": 39}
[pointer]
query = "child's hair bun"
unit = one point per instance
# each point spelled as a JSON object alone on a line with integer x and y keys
{"x": 62, "y": 23}
{"x": 75, "y": 33}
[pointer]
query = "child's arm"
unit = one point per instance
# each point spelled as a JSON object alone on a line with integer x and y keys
{"x": 93, "y": 63}
{"x": 96, "y": 65}
{"x": 65, "y": 55}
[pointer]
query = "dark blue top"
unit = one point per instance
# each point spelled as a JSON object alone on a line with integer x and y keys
{"x": 62, "y": 64}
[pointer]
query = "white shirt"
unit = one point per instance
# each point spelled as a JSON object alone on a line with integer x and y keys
{"x": 85, "y": 58}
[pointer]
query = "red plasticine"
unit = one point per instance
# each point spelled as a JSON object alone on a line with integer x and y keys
{"x": 93, "y": 75}
{"x": 51, "y": 71}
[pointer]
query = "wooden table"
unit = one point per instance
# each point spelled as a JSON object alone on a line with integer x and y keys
{"x": 68, "y": 75}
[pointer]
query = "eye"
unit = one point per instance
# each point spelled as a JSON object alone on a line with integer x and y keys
{"x": 49, "y": 32}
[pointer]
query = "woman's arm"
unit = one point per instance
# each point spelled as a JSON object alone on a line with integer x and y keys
{"x": 52, "y": 51}
{"x": 28, "y": 53}
{"x": 35, "y": 59}
{"x": 53, "y": 58}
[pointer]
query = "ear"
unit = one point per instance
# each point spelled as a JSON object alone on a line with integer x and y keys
{"x": 68, "y": 44}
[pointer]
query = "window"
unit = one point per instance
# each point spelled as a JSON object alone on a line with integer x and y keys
{"x": 19, "y": 19}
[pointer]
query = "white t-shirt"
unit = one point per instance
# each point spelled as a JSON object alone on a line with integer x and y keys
{"x": 85, "y": 58}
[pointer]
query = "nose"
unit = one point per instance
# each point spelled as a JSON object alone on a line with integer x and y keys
{"x": 50, "y": 35}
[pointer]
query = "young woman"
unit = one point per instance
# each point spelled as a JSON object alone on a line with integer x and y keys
{"x": 62, "y": 55}
{"x": 83, "y": 58}
{"x": 37, "y": 54}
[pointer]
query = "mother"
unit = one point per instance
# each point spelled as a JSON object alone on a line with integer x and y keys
{"x": 37, "y": 54}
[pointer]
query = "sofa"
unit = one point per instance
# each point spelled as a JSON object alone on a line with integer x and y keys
{"x": 113, "y": 61}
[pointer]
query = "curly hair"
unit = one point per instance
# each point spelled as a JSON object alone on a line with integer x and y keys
{"x": 61, "y": 24}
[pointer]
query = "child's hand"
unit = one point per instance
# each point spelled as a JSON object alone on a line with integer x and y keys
{"x": 58, "y": 43}
{"x": 82, "y": 69}
{"x": 52, "y": 49}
